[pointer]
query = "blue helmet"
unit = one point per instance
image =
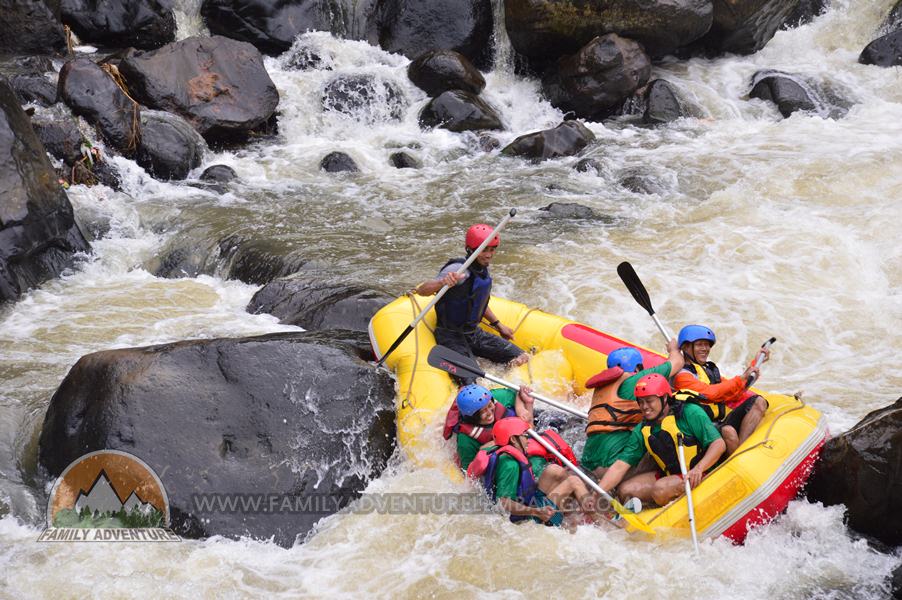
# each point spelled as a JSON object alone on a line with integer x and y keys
{"x": 627, "y": 359}
{"x": 693, "y": 333}
{"x": 471, "y": 398}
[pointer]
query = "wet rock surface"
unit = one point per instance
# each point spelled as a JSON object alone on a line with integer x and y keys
{"x": 791, "y": 93}
{"x": 438, "y": 71}
{"x": 567, "y": 139}
{"x": 296, "y": 414}
{"x": 457, "y": 110}
{"x": 141, "y": 24}
{"x": 338, "y": 162}
{"x": 169, "y": 146}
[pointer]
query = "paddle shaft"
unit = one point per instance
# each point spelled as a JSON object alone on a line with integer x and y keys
{"x": 438, "y": 296}
{"x": 558, "y": 405}
{"x": 759, "y": 359}
{"x": 682, "y": 457}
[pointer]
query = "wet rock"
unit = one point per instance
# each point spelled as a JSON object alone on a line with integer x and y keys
{"x": 860, "y": 469}
{"x": 805, "y": 12}
{"x": 364, "y": 97}
{"x": 219, "y": 174}
{"x": 571, "y": 210}
{"x": 38, "y": 232}
{"x": 893, "y": 20}
{"x": 218, "y": 85}
{"x": 302, "y": 58}
{"x": 337, "y": 162}
{"x": 549, "y": 29}
{"x": 745, "y": 26}
{"x": 294, "y": 414}
{"x": 567, "y": 139}
{"x": 792, "y": 92}
{"x": 664, "y": 103}
{"x": 273, "y": 25}
{"x": 402, "y": 160}
{"x": 91, "y": 93}
{"x": 457, "y": 110}
{"x": 144, "y": 24}
{"x": 588, "y": 164}
{"x": 31, "y": 65}
{"x": 169, "y": 146}
{"x": 60, "y": 137}
{"x": 31, "y": 26}
{"x": 34, "y": 89}
{"x": 896, "y": 582}
{"x": 438, "y": 71}
{"x": 595, "y": 80}
{"x": 413, "y": 27}
{"x": 642, "y": 184}
{"x": 316, "y": 301}
{"x": 97, "y": 172}
{"x": 885, "y": 51}
{"x": 488, "y": 143}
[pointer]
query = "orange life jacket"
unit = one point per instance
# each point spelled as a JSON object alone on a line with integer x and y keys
{"x": 609, "y": 411}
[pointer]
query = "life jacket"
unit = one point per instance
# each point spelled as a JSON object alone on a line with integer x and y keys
{"x": 706, "y": 373}
{"x": 662, "y": 446}
{"x": 534, "y": 448}
{"x": 716, "y": 411}
{"x": 483, "y": 469}
{"x": 480, "y": 433}
{"x": 610, "y": 412}
{"x": 462, "y": 307}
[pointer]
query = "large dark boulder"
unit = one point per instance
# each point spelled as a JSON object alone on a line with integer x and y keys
{"x": 438, "y": 71}
{"x": 596, "y": 80}
{"x": 290, "y": 415}
{"x": 364, "y": 97}
{"x": 315, "y": 301}
{"x": 805, "y": 12}
{"x": 142, "y": 24}
{"x": 792, "y": 93}
{"x": 31, "y": 26}
{"x": 664, "y": 103}
{"x": 91, "y": 93}
{"x": 885, "y": 51}
{"x": 572, "y": 210}
{"x": 412, "y": 27}
{"x": 457, "y": 110}
{"x": 862, "y": 469}
{"x": 219, "y": 174}
{"x": 60, "y": 137}
{"x": 567, "y": 139}
{"x": 338, "y": 162}
{"x": 38, "y": 232}
{"x": 218, "y": 85}
{"x": 34, "y": 89}
{"x": 745, "y": 26}
{"x": 545, "y": 30}
{"x": 273, "y": 25}
{"x": 403, "y": 160}
{"x": 169, "y": 146}
{"x": 893, "y": 20}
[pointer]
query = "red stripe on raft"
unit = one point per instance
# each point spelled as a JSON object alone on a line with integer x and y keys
{"x": 604, "y": 343}
{"x": 777, "y": 502}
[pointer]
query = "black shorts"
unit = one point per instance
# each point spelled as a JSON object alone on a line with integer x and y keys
{"x": 734, "y": 419}
{"x": 479, "y": 343}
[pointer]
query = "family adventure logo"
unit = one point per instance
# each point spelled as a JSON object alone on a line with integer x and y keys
{"x": 108, "y": 496}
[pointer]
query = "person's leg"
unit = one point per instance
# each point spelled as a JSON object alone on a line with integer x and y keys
{"x": 667, "y": 488}
{"x": 641, "y": 486}
{"x": 753, "y": 417}
{"x": 458, "y": 342}
{"x": 730, "y": 438}
{"x": 496, "y": 348}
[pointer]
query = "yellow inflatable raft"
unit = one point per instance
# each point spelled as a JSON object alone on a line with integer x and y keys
{"x": 753, "y": 486}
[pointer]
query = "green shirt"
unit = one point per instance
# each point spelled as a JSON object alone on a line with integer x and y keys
{"x": 693, "y": 421}
{"x": 601, "y": 449}
{"x": 467, "y": 447}
{"x": 507, "y": 474}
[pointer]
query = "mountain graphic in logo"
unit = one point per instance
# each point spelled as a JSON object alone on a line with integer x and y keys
{"x": 102, "y": 498}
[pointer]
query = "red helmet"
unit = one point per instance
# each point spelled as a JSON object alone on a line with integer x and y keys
{"x": 508, "y": 427}
{"x": 653, "y": 384}
{"x": 477, "y": 234}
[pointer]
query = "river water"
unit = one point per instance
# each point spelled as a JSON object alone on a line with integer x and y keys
{"x": 756, "y": 226}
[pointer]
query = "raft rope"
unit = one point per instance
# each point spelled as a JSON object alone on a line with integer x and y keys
{"x": 765, "y": 442}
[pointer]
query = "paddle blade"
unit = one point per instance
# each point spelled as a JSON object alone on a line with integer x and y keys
{"x": 634, "y": 285}
{"x": 632, "y": 518}
{"x": 453, "y": 362}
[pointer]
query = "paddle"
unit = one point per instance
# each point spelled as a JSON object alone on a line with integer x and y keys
{"x": 441, "y": 292}
{"x": 759, "y": 359}
{"x": 457, "y": 364}
{"x": 634, "y": 285}
{"x": 633, "y": 519}
{"x": 681, "y": 455}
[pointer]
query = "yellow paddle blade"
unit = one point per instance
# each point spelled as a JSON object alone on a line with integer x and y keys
{"x": 632, "y": 518}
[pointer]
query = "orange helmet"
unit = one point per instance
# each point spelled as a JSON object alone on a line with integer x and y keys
{"x": 507, "y": 428}
{"x": 476, "y": 234}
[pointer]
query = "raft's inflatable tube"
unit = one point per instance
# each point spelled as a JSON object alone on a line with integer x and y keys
{"x": 750, "y": 488}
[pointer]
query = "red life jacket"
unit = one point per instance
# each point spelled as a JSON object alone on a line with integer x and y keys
{"x": 480, "y": 433}
{"x": 551, "y": 436}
